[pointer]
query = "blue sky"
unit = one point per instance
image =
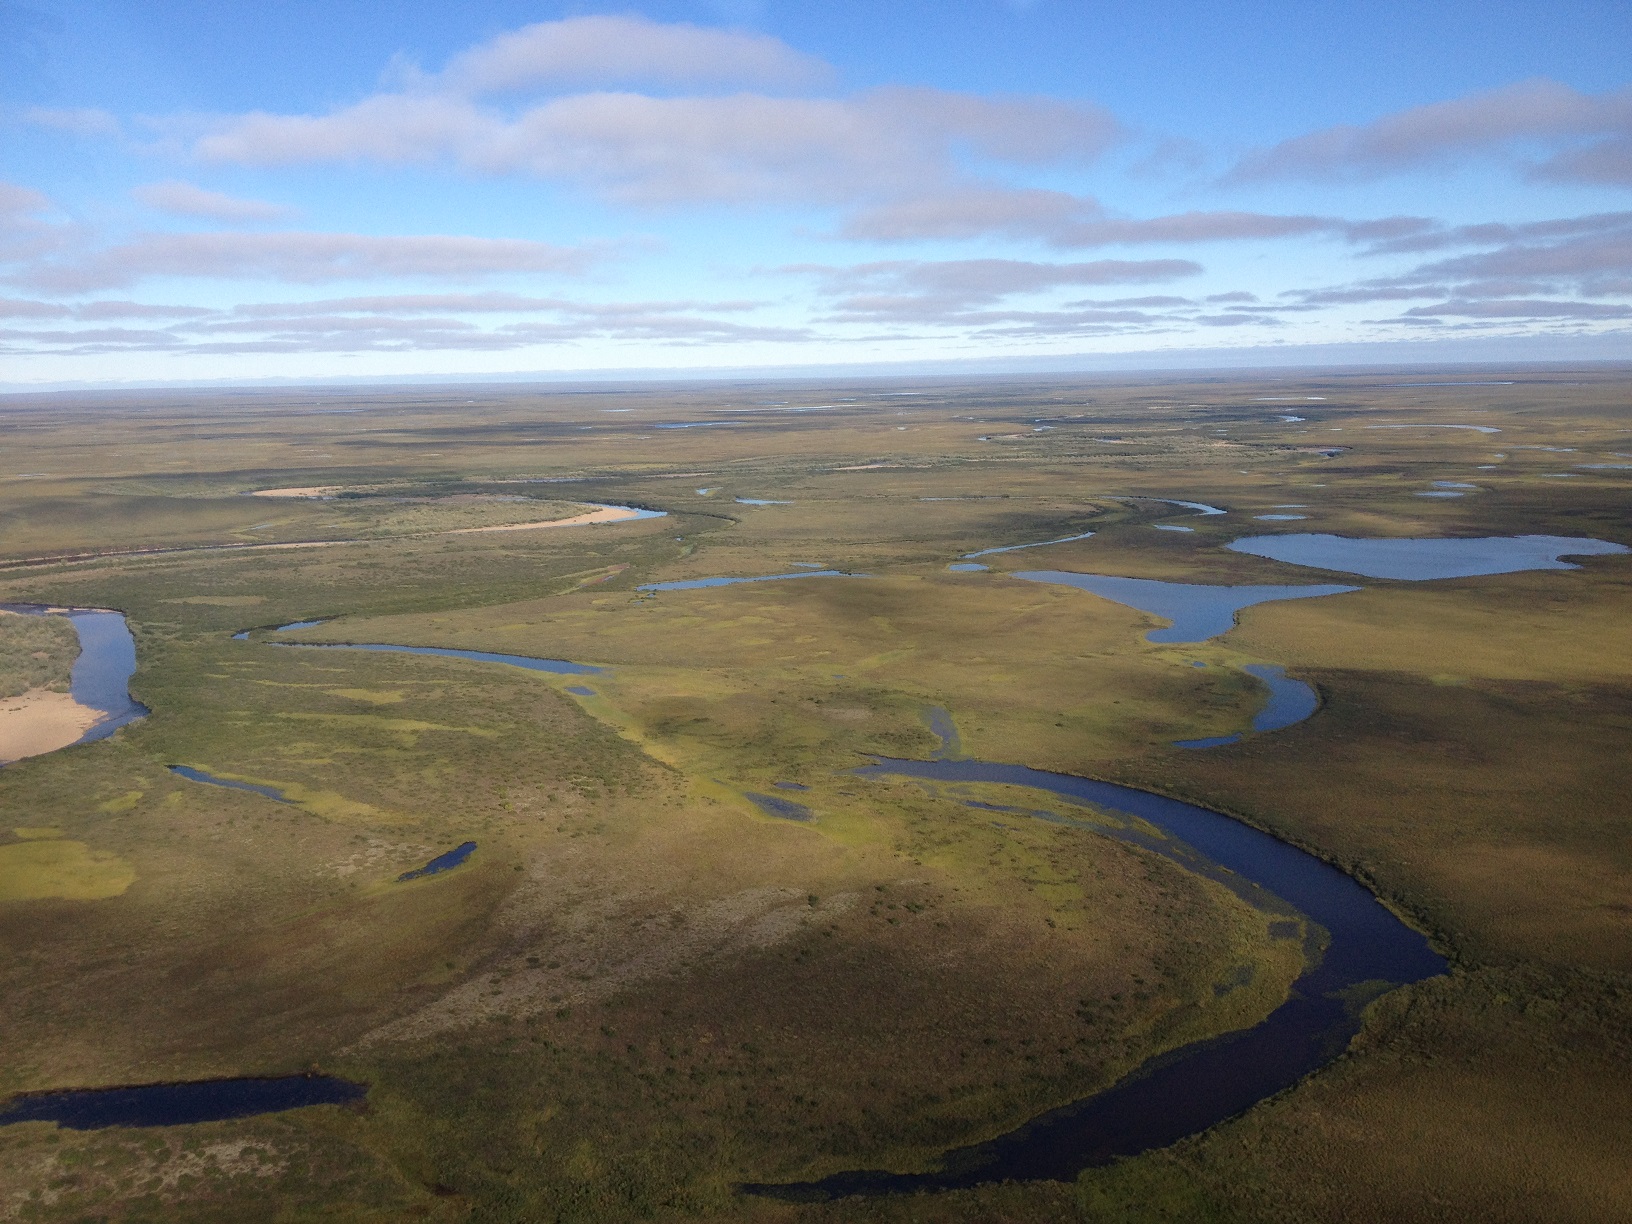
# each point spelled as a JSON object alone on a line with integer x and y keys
{"x": 209, "y": 189}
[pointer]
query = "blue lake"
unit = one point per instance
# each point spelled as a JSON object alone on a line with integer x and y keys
{"x": 441, "y": 863}
{"x": 1197, "y": 612}
{"x": 1366, "y": 951}
{"x": 578, "y": 690}
{"x": 761, "y": 501}
{"x": 179, "y": 1104}
{"x": 693, "y": 584}
{"x": 967, "y": 567}
{"x": 209, "y": 779}
{"x": 1416, "y": 560}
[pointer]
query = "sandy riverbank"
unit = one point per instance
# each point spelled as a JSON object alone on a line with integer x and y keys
{"x": 41, "y": 721}
{"x": 601, "y": 514}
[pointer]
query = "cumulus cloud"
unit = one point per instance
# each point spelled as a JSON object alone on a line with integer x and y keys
{"x": 26, "y": 230}
{"x": 18, "y": 203}
{"x": 396, "y": 323}
{"x": 1521, "y": 309}
{"x": 1531, "y": 271}
{"x": 294, "y": 256}
{"x": 1068, "y": 221}
{"x": 76, "y": 120}
{"x": 1608, "y": 162}
{"x": 601, "y": 51}
{"x": 641, "y": 149}
{"x": 946, "y": 292}
{"x": 23, "y": 308}
{"x": 1535, "y": 110}
{"x": 756, "y": 142}
{"x": 188, "y": 200}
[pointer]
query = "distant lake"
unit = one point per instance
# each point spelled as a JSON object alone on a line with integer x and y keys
{"x": 1416, "y": 560}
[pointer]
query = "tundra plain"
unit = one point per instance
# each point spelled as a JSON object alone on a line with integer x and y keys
{"x": 644, "y": 989}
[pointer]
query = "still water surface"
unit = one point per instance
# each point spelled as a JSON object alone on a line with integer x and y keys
{"x": 1417, "y": 560}
{"x": 1198, "y": 612}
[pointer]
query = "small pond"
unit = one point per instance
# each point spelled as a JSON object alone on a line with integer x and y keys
{"x": 441, "y": 863}
{"x": 179, "y": 1104}
{"x": 209, "y": 779}
{"x": 1198, "y": 612}
{"x": 1416, "y": 560}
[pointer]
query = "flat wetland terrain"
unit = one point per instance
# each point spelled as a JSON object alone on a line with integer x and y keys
{"x": 648, "y": 985}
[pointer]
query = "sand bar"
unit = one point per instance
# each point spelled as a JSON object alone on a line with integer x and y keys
{"x": 308, "y": 491}
{"x": 601, "y": 514}
{"x": 40, "y": 721}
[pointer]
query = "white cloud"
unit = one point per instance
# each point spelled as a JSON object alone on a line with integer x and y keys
{"x": 947, "y": 290}
{"x": 295, "y": 256}
{"x": 77, "y": 120}
{"x": 188, "y": 200}
{"x": 742, "y": 148}
{"x": 600, "y": 51}
{"x": 652, "y": 149}
{"x": 1536, "y": 110}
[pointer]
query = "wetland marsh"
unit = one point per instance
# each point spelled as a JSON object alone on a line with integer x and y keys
{"x": 761, "y": 907}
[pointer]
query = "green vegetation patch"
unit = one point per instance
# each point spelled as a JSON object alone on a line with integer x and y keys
{"x": 41, "y": 868}
{"x": 36, "y": 652}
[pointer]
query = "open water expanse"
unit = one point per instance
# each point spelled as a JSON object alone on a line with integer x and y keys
{"x": 1417, "y": 560}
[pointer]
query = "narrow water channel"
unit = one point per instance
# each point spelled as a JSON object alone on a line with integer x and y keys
{"x": 1365, "y": 951}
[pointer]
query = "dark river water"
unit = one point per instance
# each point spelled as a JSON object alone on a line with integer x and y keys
{"x": 101, "y": 674}
{"x": 1357, "y": 950}
{"x": 178, "y": 1104}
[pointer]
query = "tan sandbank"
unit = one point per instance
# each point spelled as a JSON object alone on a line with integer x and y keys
{"x": 41, "y": 721}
